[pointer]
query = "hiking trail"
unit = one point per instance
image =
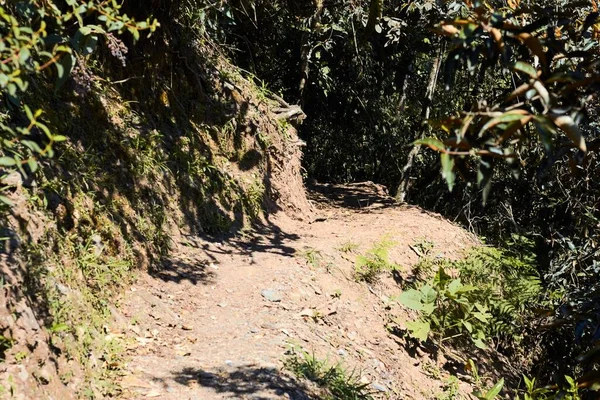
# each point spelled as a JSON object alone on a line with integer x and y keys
{"x": 216, "y": 321}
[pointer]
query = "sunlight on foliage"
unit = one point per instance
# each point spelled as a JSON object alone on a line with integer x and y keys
{"x": 36, "y": 37}
{"x": 489, "y": 298}
{"x": 339, "y": 383}
{"x": 375, "y": 261}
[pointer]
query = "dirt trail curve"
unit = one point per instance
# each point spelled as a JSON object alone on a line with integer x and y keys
{"x": 215, "y": 322}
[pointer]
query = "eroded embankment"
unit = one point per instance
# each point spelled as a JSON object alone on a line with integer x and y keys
{"x": 193, "y": 148}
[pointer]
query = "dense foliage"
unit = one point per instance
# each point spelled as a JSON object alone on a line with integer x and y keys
{"x": 490, "y": 301}
{"x": 506, "y": 91}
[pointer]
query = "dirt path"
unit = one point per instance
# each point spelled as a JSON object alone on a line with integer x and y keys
{"x": 216, "y": 321}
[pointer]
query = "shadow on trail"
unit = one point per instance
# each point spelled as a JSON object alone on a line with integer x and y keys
{"x": 173, "y": 270}
{"x": 263, "y": 238}
{"x": 352, "y": 195}
{"x": 258, "y": 383}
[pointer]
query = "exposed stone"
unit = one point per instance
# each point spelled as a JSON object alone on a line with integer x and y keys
{"x": 271, "y": 295}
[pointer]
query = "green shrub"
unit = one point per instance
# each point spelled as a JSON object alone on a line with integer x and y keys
{"x": 570, "y": 391}
{"x": 449, "y": 308}
{"x": 491, "y": 296}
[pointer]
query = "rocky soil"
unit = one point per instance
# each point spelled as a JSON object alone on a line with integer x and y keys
{"x": 219, "y": 317}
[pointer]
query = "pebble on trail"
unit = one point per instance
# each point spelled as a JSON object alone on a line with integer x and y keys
{"x": 271, "y": 295}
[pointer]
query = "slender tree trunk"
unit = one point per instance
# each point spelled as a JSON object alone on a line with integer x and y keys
{"x": 306, "y": 51}
{"x": 425, "y": 113}
{"x": 405, "y": 79}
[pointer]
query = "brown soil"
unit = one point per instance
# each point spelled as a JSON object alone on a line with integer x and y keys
{"x": 203, "y": 329}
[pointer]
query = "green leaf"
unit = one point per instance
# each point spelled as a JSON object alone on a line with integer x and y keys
{"x": 462, "y": 300}
{"x": 76, "y": 40}
{"x": 570, "y": 381}
{"x": 432, "y": 143}
{"x": 7, "y": 161}
{"x": 480, "y": 344}
{"x": 428, "y": 294}
{"x": 33, "y": 165}
{"x": 482, "y": 308}
{"x": 96, "y": 29}
{"x": 525, "y": 68}
{"x": 448, "y": 170}
{"x": 495, "y": 390}
{"x": 418, "y": 329}
{"x": 481, "y": 317}
{"x": 412, "y": 299}
{"x": 134, "y": 32}
{"x": 454, "y": 286}
{"x": 28, "y": 112}
{"x": 59, "y": 138}
{"x": 441, "y": 277}
{"x": 89, "y": 45}
{"x": 543, "y": 92}
{"x": 64, "y": 66}
{"x": 428, "y": 308}
{"x": 44, "y": 129}
{"x": 60, "y": 327}
{"x": 467, "y": 325}
{"x": 568, "y": 125}
{"x": 6, "y": 200}
{"x": 24, "y": 55}
{"x": 31, "y": 145}
{"x": 510, "y": 116}
{"x": 465, "y": 289}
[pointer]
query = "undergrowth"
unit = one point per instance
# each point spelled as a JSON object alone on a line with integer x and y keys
{"x": 110, "y": 202}
{"x": 80, "y": 274}
{"x": 487, "y": 297}
{"x": 337, "y": 382}
{"x": 374, "y": 262}
{"x": 450, "y": 390}
{"x": 312, "y": 256}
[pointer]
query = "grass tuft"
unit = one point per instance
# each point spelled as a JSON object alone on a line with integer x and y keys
{"x": 336, "y": 381}
{"x": 374, "y": 262}
{"x": 348, "y": 247}
{"x": 312, "y": 256}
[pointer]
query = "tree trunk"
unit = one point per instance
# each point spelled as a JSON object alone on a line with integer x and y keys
{"x": 406, "y": 76}
{"x": 306, "y": 51}
{"x": 425, "y": 113}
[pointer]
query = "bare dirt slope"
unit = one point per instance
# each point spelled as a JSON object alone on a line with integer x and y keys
{"x": 216, "y": 321}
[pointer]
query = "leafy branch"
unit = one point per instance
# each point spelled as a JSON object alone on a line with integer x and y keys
{"x": 35, "y": 36}
{"x": 550, "y": 77}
